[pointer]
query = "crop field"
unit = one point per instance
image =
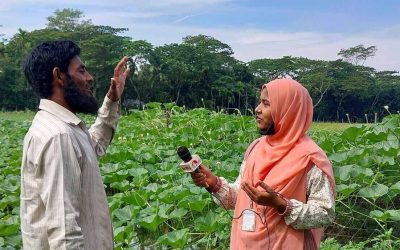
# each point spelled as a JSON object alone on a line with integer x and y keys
{"x": 154, "y": 205}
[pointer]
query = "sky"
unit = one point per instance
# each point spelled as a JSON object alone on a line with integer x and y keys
{"x": 316, "y": 29}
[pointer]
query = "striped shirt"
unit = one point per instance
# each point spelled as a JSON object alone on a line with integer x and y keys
{"x": 63, "y": 201}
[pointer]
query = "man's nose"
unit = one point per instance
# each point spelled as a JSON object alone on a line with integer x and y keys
{"x": 89, "y": 78}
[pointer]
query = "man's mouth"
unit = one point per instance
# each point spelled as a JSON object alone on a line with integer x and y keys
{"x": 89, "y": 90}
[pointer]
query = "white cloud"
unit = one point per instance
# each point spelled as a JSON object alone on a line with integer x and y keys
{"x": 323, "y": 46}
{"x": 250, "y": 44}
{"x": 184, "y": 18}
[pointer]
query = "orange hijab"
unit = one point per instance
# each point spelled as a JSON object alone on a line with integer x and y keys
{"x": 282, "y": 161}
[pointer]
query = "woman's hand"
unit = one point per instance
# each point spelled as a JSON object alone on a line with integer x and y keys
{"x": 265, "y": 198}
{"x": 204, "y": 177}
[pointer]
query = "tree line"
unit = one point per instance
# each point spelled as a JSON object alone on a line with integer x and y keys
{"x": 201, "y": 71}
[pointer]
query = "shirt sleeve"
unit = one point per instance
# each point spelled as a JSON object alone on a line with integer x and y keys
{"x": 102, "y": 131}
{"x": 227, "y": 194}
{"x": 60, "y": 191}
{"x": 319, "y": 211}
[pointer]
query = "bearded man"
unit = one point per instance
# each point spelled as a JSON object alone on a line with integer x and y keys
{"x": 63, "y": 201}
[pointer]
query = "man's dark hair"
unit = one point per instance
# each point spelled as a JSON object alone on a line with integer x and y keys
{"x": 39, "y": 64}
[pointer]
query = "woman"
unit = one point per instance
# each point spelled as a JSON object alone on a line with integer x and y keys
{"x": 285, "y": 192}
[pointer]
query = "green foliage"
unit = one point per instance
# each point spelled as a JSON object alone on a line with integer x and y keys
{"x": 366, "y": 159}
{"x": 201, "y": 72}
{"x": 382, "y": 241}
{"x": 67, "y": 20}
{"x": 154, "y": 204}
{"x": 101, "y": 49}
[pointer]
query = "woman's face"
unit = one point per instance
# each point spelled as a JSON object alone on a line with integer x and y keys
{"x": 263, "y": 114}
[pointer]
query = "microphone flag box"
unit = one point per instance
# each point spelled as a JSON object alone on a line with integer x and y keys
{"x": 191, "y": 165}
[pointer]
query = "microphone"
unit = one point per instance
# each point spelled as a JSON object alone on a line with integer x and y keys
{"x": 190, "y": 164}
{"x": 184, "y": 154}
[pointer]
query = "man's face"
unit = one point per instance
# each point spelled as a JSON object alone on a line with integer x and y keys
{"x": 78, "y": 91}
{"x": 263, "y": 115}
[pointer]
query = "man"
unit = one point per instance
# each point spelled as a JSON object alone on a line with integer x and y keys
{"x": 285, "y": 192}
{"x": 63, "y": 201}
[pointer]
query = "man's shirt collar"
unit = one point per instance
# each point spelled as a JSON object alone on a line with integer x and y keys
{"x": 59, "y": 111}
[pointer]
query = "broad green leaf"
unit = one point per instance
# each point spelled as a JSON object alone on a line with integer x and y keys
{"x": 8, "y": 226}
{"x": 123, "y": 185}
{"x": 377, "y": 214}
{"x": 9, "y": 201}
{"x": 394, "y": 214}
{"x": 194, "y": 202}
{"x": 177, "y": 213}
{"x": 151, "y": 222}
{"x": 380, "y": 129}
{"x": 395, "y": 187}
{"x": 149, "y": 158}
{"x": 346, "y": 190}
{"x": 352, "y": 133}
{"x": 127, "y": 213}
{"x": 351, "y": 171}
{"x": 176, "y": 239}
{"x": 163, "y": 210}
{"x": 174, "y": 194}
{"x": 208, "y": 223}
{"x": 123, "y": 233}
{"x": 374, "y": 191}
{"x": 374, "y": 135}
{"x": 339, "y": 157}
{"x": 152, "y": 187}
{"x": 115, "y": 201}
{"x": 119, "y": 233}
{"x": 14, "y": 240}
{"x": 390, "y": 160}
{"x": 392, "y": 142}
{"x": 137, "y": 198}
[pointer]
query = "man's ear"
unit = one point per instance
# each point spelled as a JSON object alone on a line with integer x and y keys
{"x": 58, "y": 76}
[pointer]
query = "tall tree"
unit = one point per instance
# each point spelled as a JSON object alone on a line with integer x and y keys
{"x": 67, "y": 20}
{"x": 318, "y": 82}
{"x": 145, "y": 72}
{"x": 2, "y": 51}
{"x": 102, "y": 47}
{"x": 357, "y": 54}
{"x": 192, "y": 67}
{"x": 200, "y": 71}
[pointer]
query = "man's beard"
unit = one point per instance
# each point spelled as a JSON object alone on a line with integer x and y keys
{"x": 79, "y": 102}
{"x": 268, "y": 131}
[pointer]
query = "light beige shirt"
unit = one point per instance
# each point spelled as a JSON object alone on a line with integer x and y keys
{"x": 318, "y": 211}
{"x": 63, "y": 201}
